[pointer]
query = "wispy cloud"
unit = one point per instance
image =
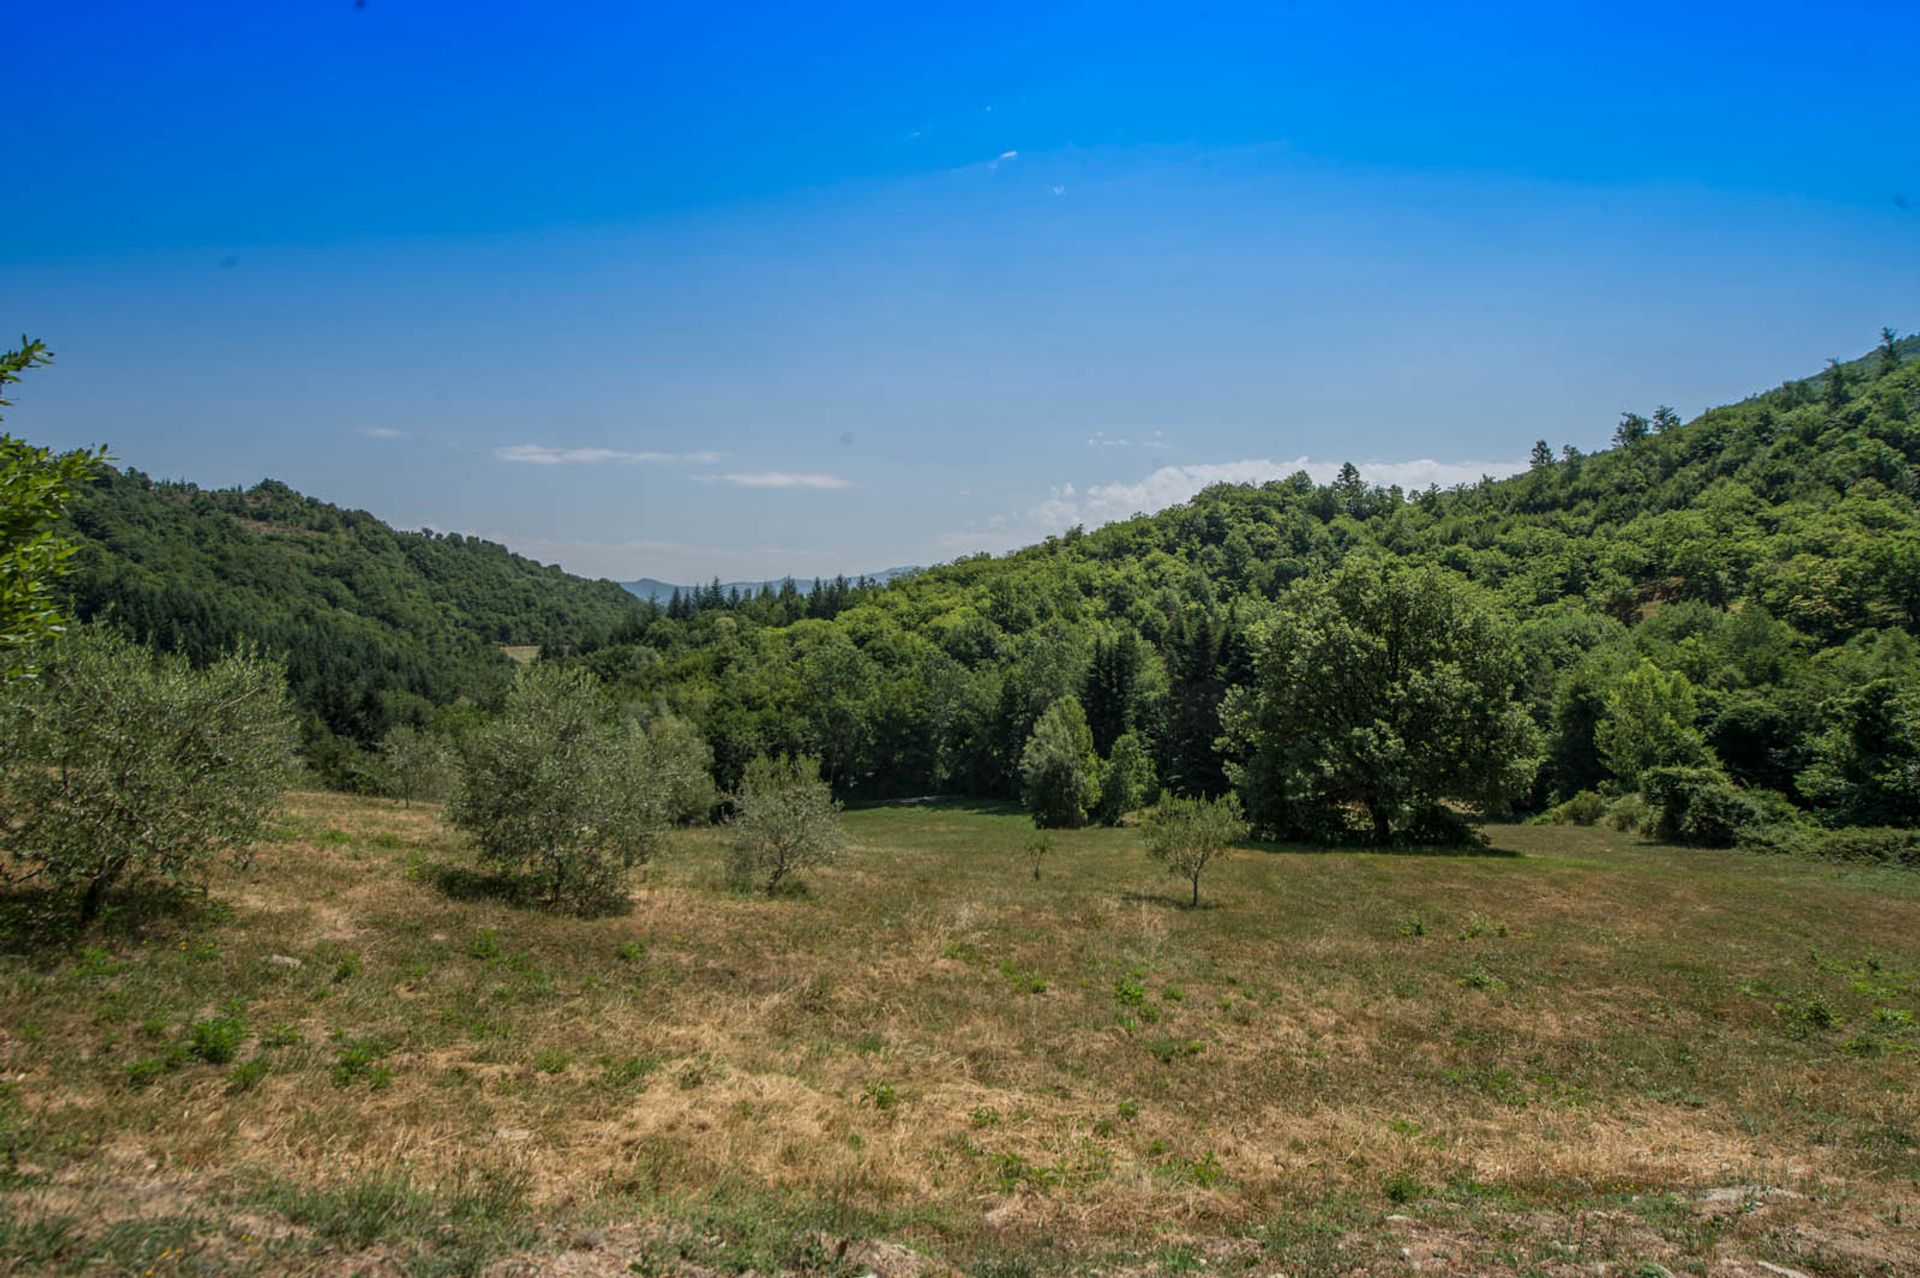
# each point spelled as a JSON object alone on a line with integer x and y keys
{"x": 542, "y": 455}
{"x": 1100, "y": 439}
{"x": 1092, "y": 505}
{"x": 382, "y": 432}
{"x": 778, "y": 479}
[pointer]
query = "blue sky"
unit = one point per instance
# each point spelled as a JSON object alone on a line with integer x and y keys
{"x": 691, "y": 292}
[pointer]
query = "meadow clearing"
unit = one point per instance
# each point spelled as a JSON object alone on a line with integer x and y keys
{"x": 1578, "y": 1053}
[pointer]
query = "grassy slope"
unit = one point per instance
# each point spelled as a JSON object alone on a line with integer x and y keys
{"x": 1575, "y": 1045}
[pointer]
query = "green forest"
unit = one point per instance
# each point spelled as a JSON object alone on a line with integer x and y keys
{"x": 377, "y": 627}
{"x": 1706, "y": 631}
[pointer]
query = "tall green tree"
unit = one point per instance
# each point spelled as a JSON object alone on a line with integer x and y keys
{"x": 1389, "y": 688}
{"x": 1865, "y": 768}
{"x": 1126, "y": 779}
{"x": 1059, "y": 772}
{"x": 1651, "y": 723}
{"x": 35, "y": 487}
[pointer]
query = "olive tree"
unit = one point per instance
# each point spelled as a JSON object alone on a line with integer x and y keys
{"x": 123, "y": 767}
{"x": 1187, "y": 835}
{"x": 555, "y": 790}
{"x": 784, "y": 820}
{"x": 416, "y": 764}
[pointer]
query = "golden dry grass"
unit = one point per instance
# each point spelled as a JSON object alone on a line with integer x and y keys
{"x": 1586, "y": 1051}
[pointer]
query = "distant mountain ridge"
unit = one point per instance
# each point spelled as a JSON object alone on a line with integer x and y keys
{"x": 661, "y": 591}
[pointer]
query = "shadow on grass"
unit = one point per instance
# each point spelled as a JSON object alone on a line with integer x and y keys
{"x": 941, "y": 803}
{"x": 465, "y": 883}
{"x": 43, "y": 921}
{"x": 1387, "y": 849}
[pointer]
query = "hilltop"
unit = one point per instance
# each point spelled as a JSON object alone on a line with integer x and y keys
{"x": 1768, "y": 550}
{"x": 377, "y": 626}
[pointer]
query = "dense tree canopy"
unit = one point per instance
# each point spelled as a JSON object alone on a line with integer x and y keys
{"x": 376, "y": 626}
{"x": 1766, "y": 553}
{"x": 1383, "y": 689}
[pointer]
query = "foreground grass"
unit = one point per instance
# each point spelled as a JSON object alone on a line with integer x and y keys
{"x": 358, "y": 1057}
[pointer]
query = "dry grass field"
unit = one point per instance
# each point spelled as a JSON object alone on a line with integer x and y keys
{"x": 1576, "y": 1055}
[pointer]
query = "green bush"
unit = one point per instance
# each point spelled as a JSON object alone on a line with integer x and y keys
{"x": 1867, "y": 845}
{"x": 1703, "y": 807}
{"x": 784, "y": 821}
{"x": 1584, "y": 808}
{"x": 555, "y": 791}
{"x": 1629, "y": 814}
{"x": 216, "y": 1041}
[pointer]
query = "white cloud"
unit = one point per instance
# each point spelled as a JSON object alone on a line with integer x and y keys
{"x": 1095, "y": 504}
{"x": 382, "y": 432}
{"x": 1009, "y": 155}
{"x": 1056, "y": 189}
{"x": 541, "y": 455}
{"x": 778, "y": 479}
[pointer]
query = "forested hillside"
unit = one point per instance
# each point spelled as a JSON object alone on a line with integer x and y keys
{"x": 1749, "y": 580}
{"x": 376, "y": 626}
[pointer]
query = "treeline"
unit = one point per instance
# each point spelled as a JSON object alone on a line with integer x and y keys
{"x": 1762, "y": 561}
{"x": 1706, "y": 631}
{"x": 376, "y": 627}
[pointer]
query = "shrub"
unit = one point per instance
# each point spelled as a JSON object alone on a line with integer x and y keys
{"x": 121, "y": 766}
{"x": 216, "y": 1041}
{"x": 1434, "y": 826}
{"x": 1185, "y": 835}
{"x": 1703, "y": 807}
{"x": 1584, "y": 808}
{"x": 1867, "y": 845}
{"x": 1629, "y": 813}
{"x": 784, "y": 820}
{"x": 553, "y": 790}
